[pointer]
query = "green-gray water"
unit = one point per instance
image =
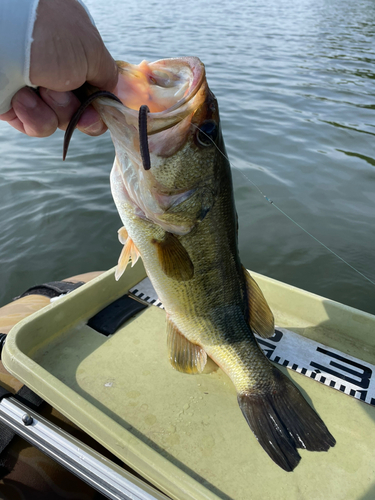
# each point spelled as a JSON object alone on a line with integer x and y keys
{"x": 295, "y": 84}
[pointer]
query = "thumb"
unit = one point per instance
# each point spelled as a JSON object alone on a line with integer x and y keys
{"x": 102, "y": 71}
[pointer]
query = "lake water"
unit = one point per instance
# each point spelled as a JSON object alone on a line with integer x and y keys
{"x": 295, "y": 84}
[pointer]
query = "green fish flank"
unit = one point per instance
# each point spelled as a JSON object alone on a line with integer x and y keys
{"x": 179, "y": 215}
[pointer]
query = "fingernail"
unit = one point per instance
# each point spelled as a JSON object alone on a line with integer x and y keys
{"x": 28, "y": 99}
{"x": 60, "y": 98}
{"x": 95, "y": 128}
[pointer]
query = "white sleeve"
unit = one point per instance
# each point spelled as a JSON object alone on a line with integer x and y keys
{"x": 16, "y": 27}
{"x": 17, "y": 18}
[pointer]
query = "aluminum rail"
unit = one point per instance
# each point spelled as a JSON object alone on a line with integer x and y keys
{"x": 103, "y": 475}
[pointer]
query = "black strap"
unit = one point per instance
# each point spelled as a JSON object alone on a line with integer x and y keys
{"x": 6, "y": 436}
{"x": 52, "y": 289}
{"x": 109, "y": 319}
{"x": 3, "y": 336}
{"x": 27, "y": 397}
{"x": 4, "y": 393}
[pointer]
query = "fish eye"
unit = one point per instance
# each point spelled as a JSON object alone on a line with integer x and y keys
{"x": 207, "y": 133}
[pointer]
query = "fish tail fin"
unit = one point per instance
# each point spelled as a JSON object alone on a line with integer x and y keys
{"x": 283, "y": 421}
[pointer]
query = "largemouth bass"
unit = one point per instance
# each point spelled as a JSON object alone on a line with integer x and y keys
{"x": 171, "y": 182}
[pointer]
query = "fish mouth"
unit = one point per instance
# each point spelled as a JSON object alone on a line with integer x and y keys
{"x": 170, "y": 89}
{"x": 167, "y": 87}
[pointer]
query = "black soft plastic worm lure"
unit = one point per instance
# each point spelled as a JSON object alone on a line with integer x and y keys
{"x": 77, "y": 115}
{"x": 142, "y": 125}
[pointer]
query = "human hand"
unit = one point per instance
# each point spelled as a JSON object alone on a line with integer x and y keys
{"x": 66, "y": 51}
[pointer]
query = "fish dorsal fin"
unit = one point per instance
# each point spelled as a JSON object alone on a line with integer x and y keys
{"x": 173, "y": 258}
{"x": 260, "y": 315}
{"x": 184, "y": 355}
{"x": 129, "y": 251}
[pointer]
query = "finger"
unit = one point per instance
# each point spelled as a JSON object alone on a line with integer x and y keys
{"x": 37, "y": 118}
{"x": 11, "y": 117}
{"x": 90, "y": 122}
{"x": 63, "y": 104}
{"x": 8, "y": 116}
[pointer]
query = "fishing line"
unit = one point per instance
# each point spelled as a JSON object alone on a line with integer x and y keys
{"x": 285, "y": 214}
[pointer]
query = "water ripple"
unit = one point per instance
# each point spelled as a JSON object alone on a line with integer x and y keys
{"x": 295, "y": 84}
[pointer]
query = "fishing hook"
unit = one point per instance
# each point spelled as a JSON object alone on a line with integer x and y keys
{"x": 77, "y": 115}
{"x": 143, "y": 141}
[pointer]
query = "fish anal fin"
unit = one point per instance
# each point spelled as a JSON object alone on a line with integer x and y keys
{"x": 184, "y": 355}
{"x": 282, "y": 421}
{"x": 260, "y": 315}
{"x": 173, "y": 258}
{"x": 129, "y": 251}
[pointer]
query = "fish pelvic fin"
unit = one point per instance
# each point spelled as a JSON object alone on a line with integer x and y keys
{"x": 260, "y": 316}
{"x": 129, "y": 251}
{"x": 122, "y": 235}
{"x": 283, "y": 421}
{"x": 173, "y": 258}
{"x": 184, "y": 355}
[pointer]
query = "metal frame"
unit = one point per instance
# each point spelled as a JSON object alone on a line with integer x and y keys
{"x": 100, "y": 473}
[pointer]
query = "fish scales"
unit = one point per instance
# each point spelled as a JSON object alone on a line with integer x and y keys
{"x": 179, "y": 216}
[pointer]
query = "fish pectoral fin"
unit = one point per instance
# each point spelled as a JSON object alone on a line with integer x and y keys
{"x": 122, "y": 235}
{"x": 184, "y": 355}
{"x": 283, "y": 421}
{"x": 173, "y": 258}
{"x": 260, "y": 317}
{"x": 129, "y": 251}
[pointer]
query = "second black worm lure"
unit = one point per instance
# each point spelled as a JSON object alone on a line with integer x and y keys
{"x": 142, "y": 125}
{"x": 143, "y": 141}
